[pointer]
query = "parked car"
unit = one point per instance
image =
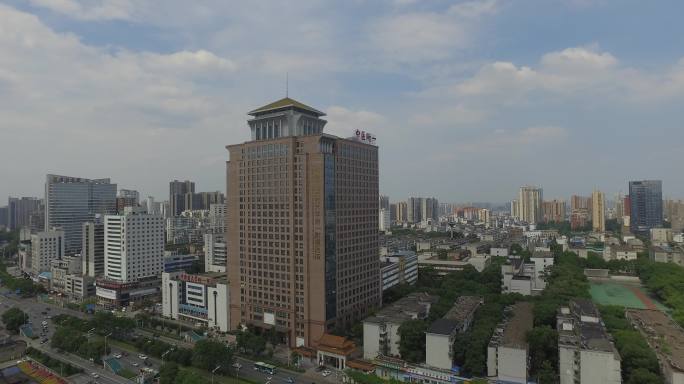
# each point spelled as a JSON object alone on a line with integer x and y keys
{"x": 326, "y": 373}
{"x": 118, "y": 355}
{"x": 142, "y": 357}
{"x": 94, "y": 374}
{"x": 135, "y": 364}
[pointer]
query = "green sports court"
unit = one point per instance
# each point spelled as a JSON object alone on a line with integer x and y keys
{"x": 623, "y": 294}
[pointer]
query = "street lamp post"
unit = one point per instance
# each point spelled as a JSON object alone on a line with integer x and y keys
{"x": 105, "y": 351}
{"x": 212, "y": 373}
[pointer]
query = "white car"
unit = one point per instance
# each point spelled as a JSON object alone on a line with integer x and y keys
{"x": 135, "y": 364}
{"x": 118, "y": 355}
{"x": 237, "y": 365}
{"x": 142, "y": 357}
{"x": 95, "y": 375}
{"x": 326, "y": 373}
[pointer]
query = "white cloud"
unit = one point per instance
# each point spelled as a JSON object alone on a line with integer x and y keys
{"x": 89, "y": 9}
{"x": 415, "y": 37}
{"x": 344, "y": 122}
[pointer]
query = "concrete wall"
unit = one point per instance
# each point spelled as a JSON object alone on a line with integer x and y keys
{"x": 438, "y": 351}
{"x": 598, "y": 367}
{"x": 371, "y": 340}
{"x": 566, "y": 361}
{"x": 491, "y": 362}
{"x": 512, "y": 365}
{"x": 219, "y": 316}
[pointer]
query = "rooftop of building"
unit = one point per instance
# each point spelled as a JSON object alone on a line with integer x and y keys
{"x": 463, "y": 308}
{"x": 542, "y": 254}
{"x": 409, "y": 307}
{"x": 518, "y": 321}
{"x": 443, "y": 327}
{"x": 588, "y": 335}
{"x": 662, "y": 333}
{"x": 284, "y": 104}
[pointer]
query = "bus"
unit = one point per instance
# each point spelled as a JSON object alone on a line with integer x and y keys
{"x": 266, "y": 368}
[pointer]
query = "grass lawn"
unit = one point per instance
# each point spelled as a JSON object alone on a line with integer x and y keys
{"x": 127, "y": 374}
{"x": 614, "y": 293}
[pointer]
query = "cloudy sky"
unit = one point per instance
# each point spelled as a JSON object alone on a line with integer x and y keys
{"x": 468, "y": 99}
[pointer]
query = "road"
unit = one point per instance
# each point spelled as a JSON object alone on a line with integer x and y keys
{"x": 38, "y": 312}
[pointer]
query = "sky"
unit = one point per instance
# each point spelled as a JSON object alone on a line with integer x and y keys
{"x": 468, "y": 99}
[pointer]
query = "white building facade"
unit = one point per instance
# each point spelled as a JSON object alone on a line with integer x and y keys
{"x": 215, "y": 254}
{"x": 200, "y": 298}
{"x": 46, "y": 247}
{"x": 134, "y": 245}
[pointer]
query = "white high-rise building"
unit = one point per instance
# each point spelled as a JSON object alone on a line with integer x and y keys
{"x": 92, "y": 251}
{"x": 530, "y": 204}
{"x": 384, "y": 219}
{"x": 134, "y": 245}
{"x": 217, "y": 218}
{"x": 45, "y": 247}
{"x": 215, "y": 257}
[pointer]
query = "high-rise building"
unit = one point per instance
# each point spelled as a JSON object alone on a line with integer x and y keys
{"x": 177, "y": 192}
{"x": 384, "y": 202}
{"x": 393, "y": 213}
{"x": 515, "y": 209}
{"x": 92, "y": 250}
{"x": 4, "y": 215}
{"x": 127, "y": 198}
{"x": 530, "y": 204}
{"x": 72, "y": 201}
{"x": 401, "y": 212}
{"x": 554, "y": 211}
{"x": 20, "y": 210}
{"x": 302, "y": 225}
{"x": 383, "y": 219}
{"x": 217, "y": 218}
{"x": 598, "y": 211}
{"x": 215, "y": 256}
{"x": 619, "y": 206}
{"x": 134, "y": 245}
{"x": 646, "y": 199}
{"x": 676, "y": 215}
{"x": 413, "y": 210}
{"x": 45, "y": 247}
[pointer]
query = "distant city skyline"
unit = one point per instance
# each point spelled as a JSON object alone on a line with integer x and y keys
{"x": 468, "y": 99}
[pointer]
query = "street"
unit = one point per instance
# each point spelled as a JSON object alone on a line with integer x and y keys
{"x": 37, "y": 312}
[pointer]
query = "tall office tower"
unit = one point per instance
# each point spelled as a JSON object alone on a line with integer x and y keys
{"x": 37, "y": 218}
{"x": 598, "y": 211}
{"x": 619, "y": 207}
{"x": 215, "y": 256}
{"x": 431, "y": 209}
{"x": 45, "y": 247}
{"x": 302, "y": 225}
{"x": 384, "y": 202}
{"x": 20, "y": 210}
{"x": 411, "y": 210}
{"x": 401, "y": 212}
{"x": 217, "y": 218}
{"x": 72, "y": 201}
{"x": 153, "y": 207}
{"x": 127, "y": 198}
{"x": 177, "y": 192}
{"x": 393, "y": 212}
{"x": 530, "y": 204}
{"x": 677, "y": 216}
{"x": 515, "y": 209}
{"x": 4, "y": 215}
{"x": 134, "y": 245}
{"x": 554, "y": 211}
{"x": 92, "y": 250}
{"x": 646, "y": 199}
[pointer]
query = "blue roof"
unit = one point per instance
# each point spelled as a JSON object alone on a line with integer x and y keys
{"x": 46, "y": 275}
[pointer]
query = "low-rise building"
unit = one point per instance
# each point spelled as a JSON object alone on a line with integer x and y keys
{"x": 440, "y": 337}
{"x": 661, "y": 235}
{"x": 666, "y": 339}
{"x": 507, "y": 352}
{"x": 586, "y": 353}
{"x": 443, "y": 267}
{"x": 526, "y": 278}
{"x": 619, "y": 252}
{"x": 498, "y": 251}
{"x": 114, "y": 294}
{"x": 381, "y": 331}
{"x": 197, "y": 298}
{"x": 399, "y": 268}
{"x": 666, "y": 254}
{"x": 174, "y": 262}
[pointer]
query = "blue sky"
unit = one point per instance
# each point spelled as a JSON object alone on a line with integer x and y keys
{"x": 469, "y": 99}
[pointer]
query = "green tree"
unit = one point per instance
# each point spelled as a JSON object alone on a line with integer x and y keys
{"x": 251, "y": 343}
{"x": 13, "y": 318}
{"x": 547, "y": 374}
{"x": 168, "y": 373}
{"x": 644, "y": 376}
{"x": 412, "y": 342}
{"x": 543, "y": 347}
{"x": 209, "y": 354}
